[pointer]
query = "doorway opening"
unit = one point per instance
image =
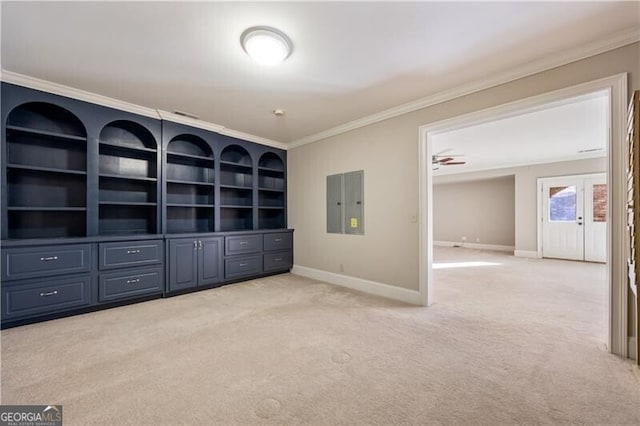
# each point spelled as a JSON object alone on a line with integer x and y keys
{"x": 615, "y": 167}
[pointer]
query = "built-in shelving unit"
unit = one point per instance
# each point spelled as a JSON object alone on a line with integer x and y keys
{"x": 271, "y": 192}
{"x": 46, "y": 172}
{"x": 128, "y": 180}
{"x": 236, "y": 189}
{"x": 190, "y": 184}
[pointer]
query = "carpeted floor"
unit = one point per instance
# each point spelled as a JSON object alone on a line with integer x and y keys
{"x": 519, "y": 342}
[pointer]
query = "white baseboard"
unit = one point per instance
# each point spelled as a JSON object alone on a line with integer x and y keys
{"x": 495, "y": 247}
{"x": 365, "y": 286}
{"x": 532, "y": 254}
{"x": 632, "y": 348}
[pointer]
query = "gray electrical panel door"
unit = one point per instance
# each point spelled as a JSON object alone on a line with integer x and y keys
{"x": 334, "y": 204}
{"x": 345, "y": 203}
{"x": 354, "y": 202}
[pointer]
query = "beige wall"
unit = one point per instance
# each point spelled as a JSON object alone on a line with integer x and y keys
{"x": 483, "y": 211}
{"x": 388, "y": 153}
{"x": 526, "y": 196}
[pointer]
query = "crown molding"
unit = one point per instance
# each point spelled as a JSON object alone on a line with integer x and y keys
{"x": 70, "y": 92}
{"x": 614, "y": 41}
{"x": 83, "y": 95}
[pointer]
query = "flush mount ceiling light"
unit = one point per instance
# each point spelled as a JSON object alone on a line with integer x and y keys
{"x": 266, "y": 45}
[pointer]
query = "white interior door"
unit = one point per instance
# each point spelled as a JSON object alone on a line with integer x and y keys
{"x": 595, "y": 219}
{"x": 562, "y": 218}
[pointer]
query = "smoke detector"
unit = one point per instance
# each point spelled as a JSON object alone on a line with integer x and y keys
{"x": 278, "y": 112}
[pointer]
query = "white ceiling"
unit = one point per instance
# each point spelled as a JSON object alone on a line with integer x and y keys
{"x": 349, "y": 60}
{"x": 554, "y": 133}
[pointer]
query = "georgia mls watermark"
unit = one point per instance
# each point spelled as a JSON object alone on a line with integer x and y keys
{"x": 30, "y": 415}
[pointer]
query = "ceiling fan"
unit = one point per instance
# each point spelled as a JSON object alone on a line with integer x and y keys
{"x": 440, "y": 159}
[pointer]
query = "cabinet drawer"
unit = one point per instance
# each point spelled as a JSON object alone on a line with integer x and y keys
{"x": 242, "y": 244}
{"x": 45, "y": 261}
{"x": 134, "y": 253}
{"x": 242, "y": 266}
{"x": 30, "y": 299}
{"x": 278, "y": 261}
{"x": 279, "y": 241}
{"x": 130, "y": 284}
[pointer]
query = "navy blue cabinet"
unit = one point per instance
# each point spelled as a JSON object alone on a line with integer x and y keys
{"x": 101, "y": 206}
{"x": 194, "y": 262}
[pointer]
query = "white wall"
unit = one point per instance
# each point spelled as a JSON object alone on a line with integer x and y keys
{"x": 387, "y": 151}
{"x": 483, "y": 211}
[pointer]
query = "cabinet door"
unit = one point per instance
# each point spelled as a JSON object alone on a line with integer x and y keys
{"x": 210, "y": 261}
{"x": 183, "y": 264}
{"x": 354, "y": 202}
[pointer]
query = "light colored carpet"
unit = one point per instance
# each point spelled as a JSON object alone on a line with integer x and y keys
{"x": 516, "y": 343}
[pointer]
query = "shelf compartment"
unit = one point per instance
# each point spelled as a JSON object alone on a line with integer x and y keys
{"x": 188, "y": 182}
{"x": 127, "y": 166}
{"x": 35, "y": 190}
{"x": 116, "y": 190}
{"x": 233, "y": 178}
{"x": 47, "y": 209}
{"x": 189, "y": 219}
{"x": 46, "y": 224}
{"x": 271, "y": 199}
{"x": 270, "y": 170}
{"x": 125, "y": 203}
{"x": 238, "y": 166}
{"x": 11, "y": 130}
{"x": 189, "y": 194}
{"x": 128, "y": 219}
{"x": 270, "y": 162}
{"x": 45, "y": 154}
{"x": 128, "y": 135}
{"x": 42, "y": 117}
{"x": 36, "y": 169}
{"x": 189, "y": 172}
{"x": 236, "y": 219}
{"x": 189, "y": 157}
{"x": 236, "y": 197}
{"x": 126, "y": 178}
{"x": 127, "y": 151}
{"x": 196, "y": 206}
{"x": 269, "y": 182}
{"x": 271, "y": 218}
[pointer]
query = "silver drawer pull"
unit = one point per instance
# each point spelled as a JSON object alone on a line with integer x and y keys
{"x": 137, "y": 280}
{"x": 277, "y": 240}
{"x": 242, "y": 265}
{"x": 278, "y": 259}
{"x": 47, "y": 259}
{"x": 50, "y": 293}
{"x": 244, "y": 243}
{"x": 133, "y": 251}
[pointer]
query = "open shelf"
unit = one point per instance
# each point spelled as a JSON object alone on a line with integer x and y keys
{"x": 47, "y": 209}
{"x": 128, "y": 185}
{"x": 189, "y": 219}
{"x": 46, "y": 224}
{"x": 189, "y": 157}
{"x": 243, "y": 188}
{"x": 271, "y": 218}
{"x": 236, "y": 219}
{"x": 45, "y": 134}
{"x": 122, "y": 177}
{"x": 45, "y": 169}
{"x": 127, "y": 219}
{"x": 189, "y": 182}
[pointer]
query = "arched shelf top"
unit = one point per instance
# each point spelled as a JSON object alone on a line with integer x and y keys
{"x": 236, "y": 154}
{"x": 129, "y": 134}
{"x": 189, "y": 145}
{"x": 272, "y": 161}
{"x": 46, "y": 117}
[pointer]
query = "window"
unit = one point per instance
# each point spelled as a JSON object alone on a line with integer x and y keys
{"x": 562, "y": 204}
